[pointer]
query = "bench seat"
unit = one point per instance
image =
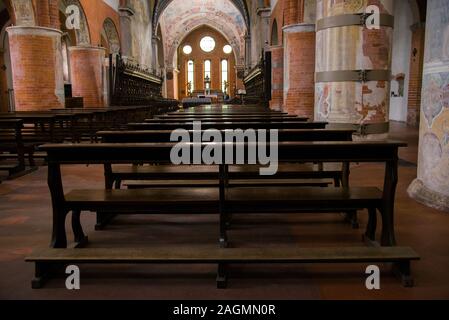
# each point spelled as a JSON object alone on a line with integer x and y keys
{"x": 47, "y": 259}
{"x": 204, "y": 172}
{"x": 239, "y": 199}
{"x": 169, "y": 200}
{"x": 142, "y": 184}
{"x": 297, "y": 199}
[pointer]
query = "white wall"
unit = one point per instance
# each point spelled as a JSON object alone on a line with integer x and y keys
{"x": 402, "y": 42}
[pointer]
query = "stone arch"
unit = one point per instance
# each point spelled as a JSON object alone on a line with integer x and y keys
{"x": 112, "y": 36}
{"x": 83, "y": 33}
{"x": 274, "y": 34}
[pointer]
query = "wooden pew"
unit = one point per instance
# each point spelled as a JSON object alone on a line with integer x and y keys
{"x": 228, "y": 125}
{"x": 11, "y": 141}
{"x": 227, "y": 119}
{"x": 224, "y": 200}
{"x": 205, "y": 176}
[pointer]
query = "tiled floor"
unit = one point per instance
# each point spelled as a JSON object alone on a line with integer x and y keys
{"x": 25, "y": 220}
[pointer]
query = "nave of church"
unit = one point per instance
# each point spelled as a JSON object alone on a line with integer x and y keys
{"x": 335, "y": 164}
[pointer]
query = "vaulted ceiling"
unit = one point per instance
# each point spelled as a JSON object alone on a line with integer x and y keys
{"x": 180, "y": 17}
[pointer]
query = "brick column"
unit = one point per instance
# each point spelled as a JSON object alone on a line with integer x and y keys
{"x": 416, "y": 67}
{"x": 36, "y": 63}
{"x": 86, "y": 68}
{"x": 277, "y": 77}
{"x": 432, "y": 185}
{"x": 299, "y": 69}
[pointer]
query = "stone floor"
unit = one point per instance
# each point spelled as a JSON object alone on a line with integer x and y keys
{"x": 25, "y": 220}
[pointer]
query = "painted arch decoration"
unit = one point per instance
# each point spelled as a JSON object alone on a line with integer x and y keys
{"x": 161, "y": 5}
{"x": 181, "y": 17}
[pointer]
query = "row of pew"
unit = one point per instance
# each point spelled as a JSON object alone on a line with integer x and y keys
{"x": 22, "y": 132}
{"x": 313, "y": 176}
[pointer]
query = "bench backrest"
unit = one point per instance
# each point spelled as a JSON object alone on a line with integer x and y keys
{"x": 326, "y": 151}
{"x": 226, "y": 119}
{"x": 165, "y": 135}
{"x": 228, "y": 125}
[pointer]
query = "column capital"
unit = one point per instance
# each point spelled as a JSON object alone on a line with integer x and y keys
{"x": 264, "y": 12}
{"x": 126, "y": 11}
{"x": 33, "y": 30}
{"x": 86, "y": 48}
{"x": 299, "y": 27}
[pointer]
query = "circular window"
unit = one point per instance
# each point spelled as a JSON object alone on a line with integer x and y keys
{"x": 187, "y": 49}
{"x": 227, "y": 49}
{"x": 207, "y": 44}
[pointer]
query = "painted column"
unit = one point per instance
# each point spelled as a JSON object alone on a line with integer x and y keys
{"x": 416, "y": 67}
{"x": 353, "y": 66}
{"x": 36, "y": 62}
{"x": 125, "y": 30}
{"x": 277, "y": 77}
{"x": 154, "y": 58}
{"x": 248, "y": 56}
{"x": 432, "y": 185}
{"x": 87, "y": 68}
{"x": 265, "y": 14}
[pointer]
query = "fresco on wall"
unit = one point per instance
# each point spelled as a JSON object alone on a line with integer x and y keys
{"x": 181, "y": 17}
{"x": 141, "y": 28}
{"x": 24, "y": 12}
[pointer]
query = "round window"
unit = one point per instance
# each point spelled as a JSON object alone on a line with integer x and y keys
{"x": 187, "y": 49}
{"x": 207, "y": 44}
{"x": 227, "y": 49}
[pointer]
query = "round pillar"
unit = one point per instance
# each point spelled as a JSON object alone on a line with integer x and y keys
{"x": 432, "y": 185}
{"x": 353, "y": 62}
{"x": 299, "y": 69}
{"x": 86, "y": 67}
{"x": 36, "y": 63}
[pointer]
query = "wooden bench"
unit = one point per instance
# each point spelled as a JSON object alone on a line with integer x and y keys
{"x": 50, "y": 261}
{"x": 228, "y": 125}
{"x": 227, "y": 119}
{"x": 207, "y": 176}
{"x": 224, "y": 201}
{"x": 11, "y": 143}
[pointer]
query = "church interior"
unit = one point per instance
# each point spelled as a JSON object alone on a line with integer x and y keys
{"x": 92, "y": 92}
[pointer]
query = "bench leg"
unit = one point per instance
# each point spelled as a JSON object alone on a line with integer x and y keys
{"x": 103, "y": 219}
{"x": 223, "y": 231}
{"x": 44, "y": 272}
{"x": 403, "y": 271}
{"x": 81, "y": 239}
{"x": 370, "y": 233}
{"x": 59, "y": 236}
{"x": 352, "y": 218}
{"x": 388, "y": 236}
{"x": 222, "y": 277}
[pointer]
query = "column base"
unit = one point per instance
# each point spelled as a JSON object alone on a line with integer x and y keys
{"x": 419, "y": 192}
